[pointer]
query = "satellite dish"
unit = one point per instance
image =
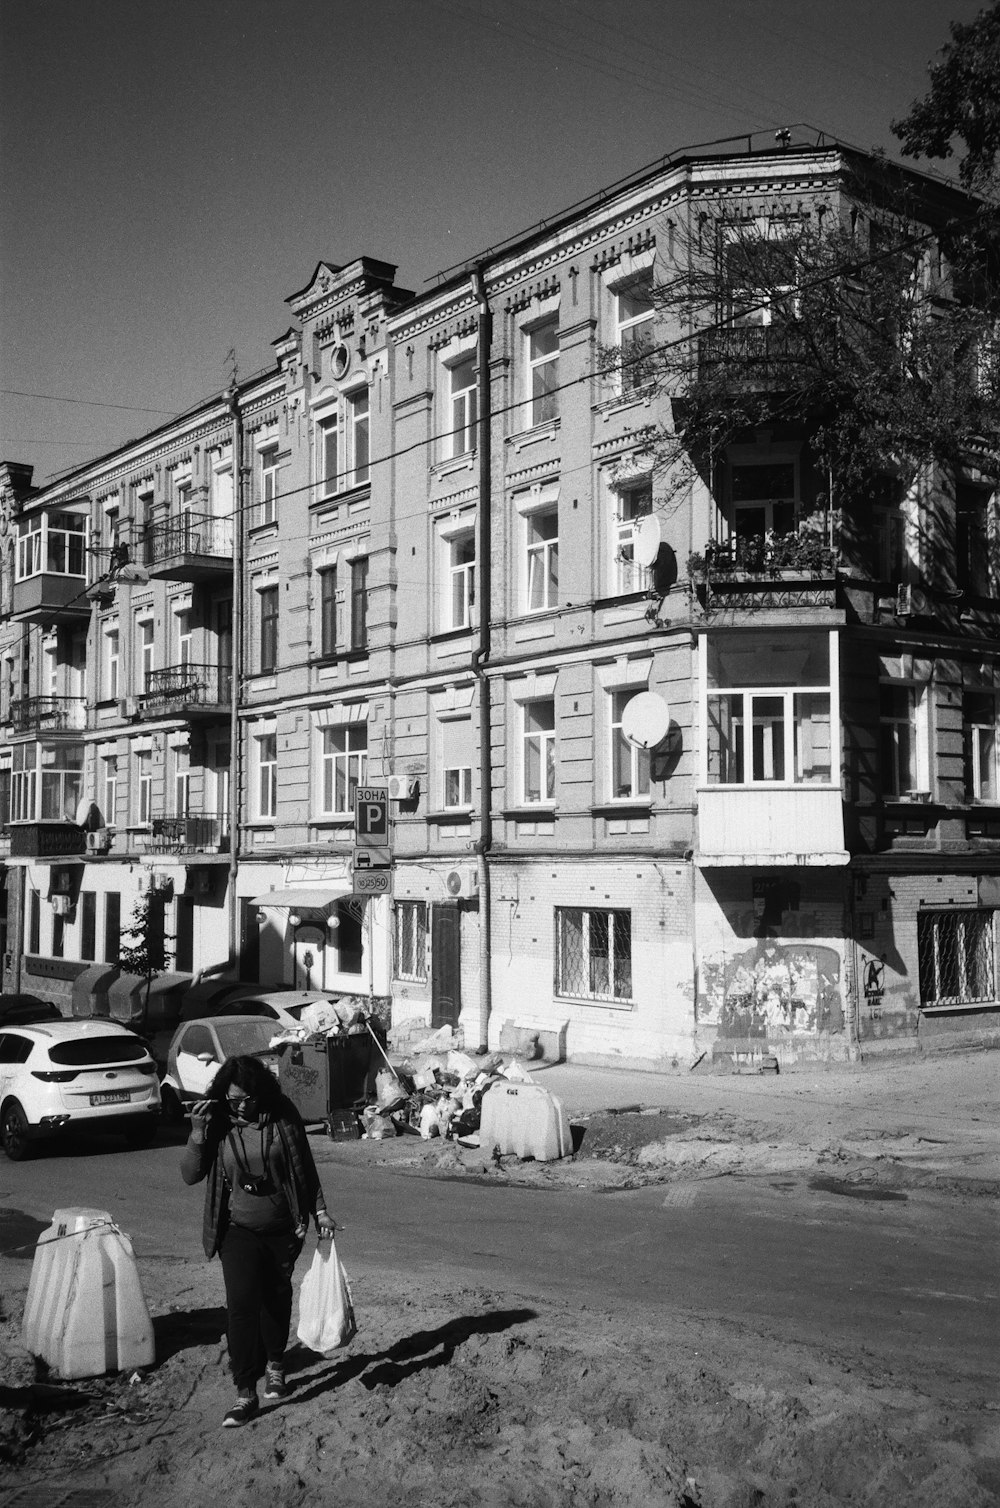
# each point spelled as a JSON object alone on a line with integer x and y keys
{"x": 646, "y": 720}
{"x": 646, "y": 539}
{"x": 87, "y": 813}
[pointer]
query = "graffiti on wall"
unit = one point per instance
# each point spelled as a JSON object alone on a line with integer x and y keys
{"x": 772, "y": 991}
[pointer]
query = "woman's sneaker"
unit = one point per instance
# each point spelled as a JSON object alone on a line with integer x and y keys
{"x": 242, "y": 1411}
{"x": 275, "y": 1386}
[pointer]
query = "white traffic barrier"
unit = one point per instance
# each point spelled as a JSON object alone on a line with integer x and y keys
{"x": 85, "y": 1313}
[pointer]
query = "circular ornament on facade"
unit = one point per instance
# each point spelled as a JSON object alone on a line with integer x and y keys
{"x": 340, "y": 360}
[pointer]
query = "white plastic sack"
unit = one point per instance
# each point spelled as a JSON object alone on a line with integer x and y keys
{"x": 326, "y": 1313}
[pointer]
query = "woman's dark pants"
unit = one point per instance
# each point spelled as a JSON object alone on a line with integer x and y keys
{"x": 258, "y": 1274}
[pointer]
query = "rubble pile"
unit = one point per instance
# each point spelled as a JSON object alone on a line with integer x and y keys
{"x": 435, "y": 1094}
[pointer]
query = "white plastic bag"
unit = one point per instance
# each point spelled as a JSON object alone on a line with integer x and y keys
{"x": 326, "y": 1313}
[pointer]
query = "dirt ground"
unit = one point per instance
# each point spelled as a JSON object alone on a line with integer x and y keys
{"x": 502, "y": 1399}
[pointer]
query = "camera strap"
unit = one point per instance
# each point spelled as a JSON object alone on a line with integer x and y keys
{"x": 239, "y": 1152}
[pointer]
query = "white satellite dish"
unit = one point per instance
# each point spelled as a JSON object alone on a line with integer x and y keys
{"x": 646, "y": 539}
{"x": 646, "y": 720}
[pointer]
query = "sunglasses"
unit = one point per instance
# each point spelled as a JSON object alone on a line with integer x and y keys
{"x": 238, "y": 1102}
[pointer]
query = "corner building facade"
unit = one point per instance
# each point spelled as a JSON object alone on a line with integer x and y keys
{"x": 647, "y": 813}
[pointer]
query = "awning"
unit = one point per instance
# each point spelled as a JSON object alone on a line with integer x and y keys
{"x": 306, "y": 898}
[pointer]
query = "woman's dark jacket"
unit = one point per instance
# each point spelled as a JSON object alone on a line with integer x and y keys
{"x": 301, "y": 1185}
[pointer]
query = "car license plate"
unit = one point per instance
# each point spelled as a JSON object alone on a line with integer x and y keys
{"x": 112, "y": 1097}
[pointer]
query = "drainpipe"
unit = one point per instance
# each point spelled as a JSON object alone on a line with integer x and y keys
{"x": 481, "y": 653}
{"x": 236, "y": 674}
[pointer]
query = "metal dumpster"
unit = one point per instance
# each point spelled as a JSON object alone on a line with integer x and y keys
{"x": 332, "y": 1073}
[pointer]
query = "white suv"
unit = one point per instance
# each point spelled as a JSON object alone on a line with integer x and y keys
{"x": 94, "y": 1075}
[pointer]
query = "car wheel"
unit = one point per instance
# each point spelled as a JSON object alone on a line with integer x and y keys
{"x": 143, "y": 1133}
{"x": 14, "y": 1132}
{"x": 171, "y": 1109}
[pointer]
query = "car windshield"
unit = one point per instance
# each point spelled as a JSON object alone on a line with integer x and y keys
{"x": 239, "y": 1037}
{"x": 82, "y": 1052}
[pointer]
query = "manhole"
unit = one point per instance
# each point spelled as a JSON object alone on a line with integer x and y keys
{"x": 855, "y": 1190}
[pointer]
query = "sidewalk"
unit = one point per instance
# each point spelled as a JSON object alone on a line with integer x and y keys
{"x": 932, "y": 1120}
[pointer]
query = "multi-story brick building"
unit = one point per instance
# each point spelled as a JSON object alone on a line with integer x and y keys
{"x": 653, "y": 816}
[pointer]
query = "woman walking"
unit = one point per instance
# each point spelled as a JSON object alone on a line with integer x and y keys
{"x": 248, "y": 1141}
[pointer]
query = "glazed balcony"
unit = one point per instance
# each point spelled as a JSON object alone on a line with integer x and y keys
{"x": 203, "y": 834}
{"x": 193, "y": 547}
{"x": 33, "y": 715}
{"x": 192, "y": 691}
{"x": 772, "y": 825}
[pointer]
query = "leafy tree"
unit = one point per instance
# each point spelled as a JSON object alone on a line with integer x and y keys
{"x": 865, "y": 332}
{"x": 963, "y": 103}
{"x": 148, "y": 954}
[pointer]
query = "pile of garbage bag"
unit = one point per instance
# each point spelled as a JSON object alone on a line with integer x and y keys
{"x": 436, "y": 1094}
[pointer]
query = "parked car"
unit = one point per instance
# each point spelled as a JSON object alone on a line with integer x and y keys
{"x": 60, "y": 1076}
{"x": 199, "y": 1049}
{"x": 23, "y": 1008}
{"x": 284, "y": 1006}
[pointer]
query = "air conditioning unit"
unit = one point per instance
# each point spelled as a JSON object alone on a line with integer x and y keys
{"x": 98, "y": 841}
{"x": 462, "y": 884}
{"x": 62, "y": 905}
{"x": 403, "y": 787}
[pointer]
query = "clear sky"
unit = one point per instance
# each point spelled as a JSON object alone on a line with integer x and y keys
{"x": 171, "y": 170}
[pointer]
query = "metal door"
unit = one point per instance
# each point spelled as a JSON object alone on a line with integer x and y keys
{"x": 446, "y": 964}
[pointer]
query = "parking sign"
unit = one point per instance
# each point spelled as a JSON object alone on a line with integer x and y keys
{"x": 371, "y": 816}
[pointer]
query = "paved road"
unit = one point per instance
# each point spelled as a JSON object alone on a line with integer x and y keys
{"x": 908, "y": 1287}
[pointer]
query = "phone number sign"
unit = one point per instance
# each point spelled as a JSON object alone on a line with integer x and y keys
{"x": 371, "y": 816}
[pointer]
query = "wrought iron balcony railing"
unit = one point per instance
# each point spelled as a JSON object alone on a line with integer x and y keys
{"x": 191, "y": 535}
{"x": 186, "y": 687}
{"x": 202, "y": 834}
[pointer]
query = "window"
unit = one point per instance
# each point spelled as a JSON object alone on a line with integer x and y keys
{"x": 768, "y": 713}
{"x": 268, "y": 623}
{"x": 632, "y": 502}
{"x": 88, "y": 925}
{"x": 222, "y": 496}
{"x": 539, "y": 751}
{"x": 111, "y": 661}
{"x": 634, "y": 315}
{"x": 328, "y": 611}
{"x": 358, "y": 418}
{"x": 456, "y": 762}
{"x": 182, "y": 632}
{"x": 888, "y": 545}
{"x": 982, "y": 746}
{"x": 593, "y": 954}
{"x": 51, "y": 544}
{"x": 542, "y": 559}
{"x": 328, "y": 457}
{"x": 902, "y": 745}
{"x": 62, "y": 780}
{"x": 109, "y": 777}
{"x": 112, "y": 926}
{"x": 268, "y": 485}
{"x": 348, "y": 940}
{"x": 343, "y": 444}
{"x": 344, "y": 760}
{"x": 144, "y": 788}
{"x": 34, "y": 922}
{"x": 764, "y": 499}
{"x": 359, "y": 603}
{"x": 463, "y": 406}
{"x": 629, "y": 765}
{"x": 972, "y": 541}
{"x": 956, "y": 955}
{"x": 182, "y": 782}
{"x": 760, "y": 274}
{"x": 543, "y": 372}
{"x": 462, "y": 580}
{"x": 24, "y": 783}
{"x": 112, "y": 526}
{"x": 266, "y": 785}
{"x": 58, "y": 936}
{"x": 409, "y": 940}
{"x": 147, "y": 652}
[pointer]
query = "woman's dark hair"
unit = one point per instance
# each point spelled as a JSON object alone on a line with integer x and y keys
{"x": 251, "y": 1075}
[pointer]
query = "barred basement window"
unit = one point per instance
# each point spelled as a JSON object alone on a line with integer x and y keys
{"x": 593, "y": 954}
{"x": 409, "y": 954}
{"x": 956, "y": 954}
